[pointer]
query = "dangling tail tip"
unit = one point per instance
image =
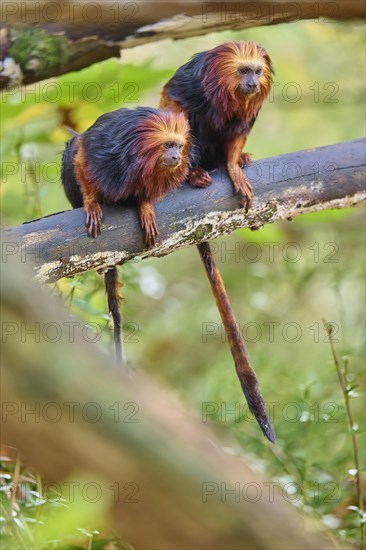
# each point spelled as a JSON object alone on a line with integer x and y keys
{"x": 268, "y": 431}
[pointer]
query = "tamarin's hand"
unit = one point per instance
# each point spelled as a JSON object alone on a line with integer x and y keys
{"x": 198, "y": 177}
{"x": 139, "y": 154}
{"x": 221, "y": 91}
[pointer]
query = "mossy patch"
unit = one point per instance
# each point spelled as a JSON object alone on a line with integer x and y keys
{"x": 36, "y": 51}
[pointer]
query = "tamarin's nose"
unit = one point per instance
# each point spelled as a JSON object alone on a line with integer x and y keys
{"x": 174, "y": 157}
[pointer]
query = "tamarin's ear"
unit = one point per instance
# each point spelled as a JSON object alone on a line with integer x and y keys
{"x": 269, "y": 63}
{"x": 266, "y": 57}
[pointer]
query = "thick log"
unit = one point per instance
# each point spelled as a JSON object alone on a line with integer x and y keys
{"x": 284, "y": 187}
{"x": 44, "y": 39}
{"x": 161, "y": 474}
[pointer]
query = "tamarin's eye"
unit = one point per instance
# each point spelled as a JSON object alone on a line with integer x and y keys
{"x": 243, "y": 70}
{"x": 258, "y": 71}
{"x": 169, "y": 145}
{"x": 180, "y": 147}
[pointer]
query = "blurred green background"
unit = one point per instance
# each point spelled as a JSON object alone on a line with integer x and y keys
{"x": 317, "y": 269}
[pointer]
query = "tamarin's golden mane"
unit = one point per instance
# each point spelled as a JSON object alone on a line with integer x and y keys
{"x": 221, "y": 79}
{"x": 150, "y": 176}
{"x": 157, "y": 129}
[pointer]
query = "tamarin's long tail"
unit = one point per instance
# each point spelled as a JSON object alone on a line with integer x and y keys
{"x": 112, "y": 287}
{"x": 248, "y": 379}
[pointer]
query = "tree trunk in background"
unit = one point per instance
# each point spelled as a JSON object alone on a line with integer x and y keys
{"x": 44, "y": 39}
{"x": 162, "y": 472}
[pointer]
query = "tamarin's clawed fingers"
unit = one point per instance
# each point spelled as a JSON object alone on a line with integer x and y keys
{"x": 241, "y": 186}
{"x": 148, "y": 223}
{"x": 245, "y": 159}
{"x": 198, "y": 177}
{"x": 246, "y": 196}
{"x": 94, "y": 217}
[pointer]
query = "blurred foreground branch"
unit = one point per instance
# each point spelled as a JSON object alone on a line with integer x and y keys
{"x": 284, "y": 187}
{"x": 44, "y": 39}
{"x": 179, "y": 471}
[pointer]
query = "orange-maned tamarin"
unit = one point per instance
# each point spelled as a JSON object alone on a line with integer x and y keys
{"x": 221, "y": 92}
{"x": 139, "y": 154}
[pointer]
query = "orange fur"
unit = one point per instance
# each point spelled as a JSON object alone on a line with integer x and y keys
{"x": 152, "y": 180}
{"x": 88, "y": 187}
{"x": 167, "y": 102}
{"x": 89, "y": 191}
{"x": 240, "y": 182}
{"x": 221, "y": 80}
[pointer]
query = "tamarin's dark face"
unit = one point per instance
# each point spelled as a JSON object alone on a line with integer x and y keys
{"x": 237, "y": 71}
{"x": 249, "y": 74}
{"x": 246, "y": 68}
{"x": 171, "y": 153}
{"x": 165, "y": 142}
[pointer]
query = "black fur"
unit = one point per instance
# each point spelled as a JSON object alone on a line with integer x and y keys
{"x": 111, "y": 287}
{"x": 186, "y": 88}
{"x": 112, "y": 165}
{"x": 114, "y": 154}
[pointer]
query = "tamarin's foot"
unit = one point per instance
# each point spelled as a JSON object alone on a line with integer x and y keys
{"x": 198, "y": 177}
{"x": 94, "y": 217}
{"x": 245, "y": 159}
{"x": 246, "y": 195}
{"x": 150, "y": 229}
{"x": 241, "y": 186}
{"x": 148, "y": 223}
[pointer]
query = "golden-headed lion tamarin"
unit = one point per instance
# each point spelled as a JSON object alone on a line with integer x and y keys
{"x": 221, "y": 92}
{"x": 138, "y": 154}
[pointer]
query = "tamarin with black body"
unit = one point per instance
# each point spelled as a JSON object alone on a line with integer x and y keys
{"x": 139, "y": 154}
{"x": 221, "y": 92}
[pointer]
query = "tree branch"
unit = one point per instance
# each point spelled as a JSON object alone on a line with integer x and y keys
{"x": 284, "y": 187}
{"x": 47, "y": 39}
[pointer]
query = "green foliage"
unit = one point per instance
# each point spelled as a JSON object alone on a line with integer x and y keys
{"x": 36, "y": 517}
{"x": 282, "y": 280}
{"x": 37, "y": 51}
